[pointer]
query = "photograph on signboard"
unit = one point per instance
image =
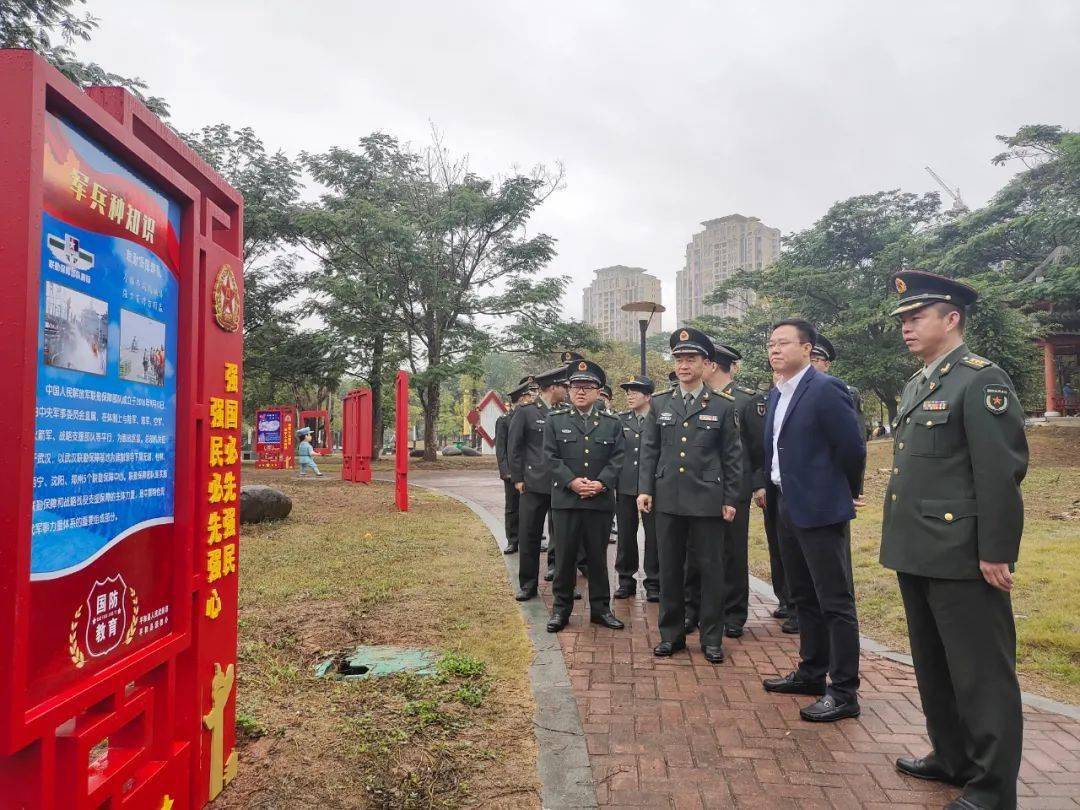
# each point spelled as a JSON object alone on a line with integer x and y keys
{"x": 142, "y": 348}
{"x": 76, "y": 330}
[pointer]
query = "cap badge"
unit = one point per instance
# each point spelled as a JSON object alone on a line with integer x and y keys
{"x": 684, "y": 335}
{"x": 633, "y": 378}
{"x": 582, "y": 366}
{"x": 901, "y": 286}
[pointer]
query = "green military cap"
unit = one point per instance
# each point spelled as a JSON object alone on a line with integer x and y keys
{"x": 823, "y": 348}
{"x": 918, "y": 288}
{"x": 587, "y": 371}
{"x": 553, "y": 376}
{"x": 638, "y": 382}
{"x": 691, "y": 341}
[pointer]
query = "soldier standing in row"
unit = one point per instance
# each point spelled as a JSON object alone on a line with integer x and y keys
{"x": 822, "y": 356}
{"x": 639, "y": 390}
{"x": 531, "y": 477}
{"x": 951, "y": 529}
{"x": 691, "y": 473}
{"x": 522, "y": 395}
{"x": 583, "y": 449}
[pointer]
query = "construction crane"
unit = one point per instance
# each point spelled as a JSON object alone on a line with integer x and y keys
{"x": 958, "y": 206}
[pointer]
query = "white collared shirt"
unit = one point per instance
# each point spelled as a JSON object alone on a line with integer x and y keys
{"x": 786, "y": 388}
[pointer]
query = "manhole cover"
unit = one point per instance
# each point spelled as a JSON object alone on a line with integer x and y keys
{"x": 377, "y": 662}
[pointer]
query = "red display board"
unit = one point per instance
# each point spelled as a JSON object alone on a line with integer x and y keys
{"x": 275, "y": 437}
{"x": 121, "y": 345}
{"x": 356, "y": 437}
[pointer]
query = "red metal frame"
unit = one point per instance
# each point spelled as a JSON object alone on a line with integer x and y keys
{"x": 356, "y": 438}
{"x": 401, "y": 441}
{"x": 150, "y": 703}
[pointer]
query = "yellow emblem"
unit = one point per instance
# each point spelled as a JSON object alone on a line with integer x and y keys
{"x": 226, "y": 299}
{"x": 684, "y": 335}
{"x": 901, "y": 286}
{"x": 633, "y": 378}
{"x": 582, "y": 366}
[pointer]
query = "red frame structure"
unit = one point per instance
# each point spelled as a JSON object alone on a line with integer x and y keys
{"x": 401, "y": 441}
{"x": 159, "y": 718}
{"x": 474, "y": 416}
{"x": 356, "y": 438}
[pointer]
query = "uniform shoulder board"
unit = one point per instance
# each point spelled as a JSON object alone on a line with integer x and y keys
{"x": 625, "y": 413}
{"x": 609, "y": 414}
{"x": 725, "y": 395}
{"x": 975, "y": 362}
{"x": 852, "y": 389}
{"x": 746, "y": 390}
{"x": 667, "y": 393}
{"x": 913, "y": 376}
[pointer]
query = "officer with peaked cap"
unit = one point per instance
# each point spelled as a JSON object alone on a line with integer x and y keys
{"x": 751, "y": 421}
{"x": 583, "y": 451}
{"x": 822, "y": 356}
{"x": 639, "y": 390}
{"x": 691, "y": 474}
{"x": 522, "y": 395}
{"x": 951, "y": 528}
{"x": 530, "y": 475}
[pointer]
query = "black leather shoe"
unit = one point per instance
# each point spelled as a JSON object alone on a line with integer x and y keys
{"x": 557, "y": 622}
{"x": 791, "y": 627}
{"x": 624, "y": 593}
{"x": 733, "y": 631}
{"x": 608, "y": 620}
{"x": 925, "y": 768}
{"x": 525, "y": 594}
{"x": 790, "y": 685}
{"x": 652, "y": 596}
{"x": 511, "y": 548}
{"x": 714, "y": 655}
{"x": 781, "y": 612}
{"x": 549, "y": 575}
{"x": 689, "y": 626}
{"x": 828, "y": 709}
{"x": 961, "y": 803}
{"x": 667, "y": 648}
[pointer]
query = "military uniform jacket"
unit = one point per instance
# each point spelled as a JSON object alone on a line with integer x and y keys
{"x": 525, "y": 447}
{"x": 631, "y": 431}
{"x": 959, "y": 455}
{"x": 577, "y": 446}
{"x": 751, "y": 420}
{"x": 502, "y": 430}
{"x": 691, "y": 461}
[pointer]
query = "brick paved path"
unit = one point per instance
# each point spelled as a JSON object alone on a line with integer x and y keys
{"x": 682, "y": 733}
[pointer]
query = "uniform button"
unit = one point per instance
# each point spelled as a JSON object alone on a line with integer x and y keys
{"x": 682, "y": 454}
{"x": 586, "y": 464}
{"x": 896, "y": 470}
{"x": 929, "y": 423}
{"x": 682, "y": 469}
{"x": 901, "y": 445}
{"x": 635, "y": 463}
{"x": 684, "y": 438}
{"x": 586, "y": 450}
{"x": 907, "y": 421}
{"x": 586, "y": 438}
{"x": 686, "y": 424}
{"x": 948, "y": 516}
{"x": 894, "y": 497}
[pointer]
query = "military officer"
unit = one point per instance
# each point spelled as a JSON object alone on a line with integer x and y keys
{"x": 953, "y": 518}
{"x": 605, "y": 398}
{"x": 583, "y": 451}
{"x": 822, "y": 356}
{"x": 529, "y": 473}
{"x": 691, "y": 474}
{"x": 522, "y": 395}
{"x": 720, "y": 379}
{"x": 639, "y": 390}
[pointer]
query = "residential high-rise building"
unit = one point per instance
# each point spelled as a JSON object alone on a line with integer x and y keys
{"x": 602, "y": 301}
{"x": 727, "y": 244}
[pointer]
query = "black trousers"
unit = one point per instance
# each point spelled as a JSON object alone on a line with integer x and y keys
{"x": 533, "y": 509}
{"x": 817, "y": 564}
{"x": 680, "y": 536}
{"x": 963, "y": 642}
{"x": 626, "y": 552}
{"x": 737, "y": 568}
{"x": 581, "y": 529}
{"x": 776, "y": 562}
{"x": 511, "y": 499}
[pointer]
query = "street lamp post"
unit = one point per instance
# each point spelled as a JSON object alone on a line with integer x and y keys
{"x": 650, "y": 307}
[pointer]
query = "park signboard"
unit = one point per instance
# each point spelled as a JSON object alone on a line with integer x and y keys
{"x": 120, "y": 256}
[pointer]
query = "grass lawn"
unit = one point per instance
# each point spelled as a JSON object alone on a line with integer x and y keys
{"x": 346, "y": 569}
{"x": 1046, "y": 594}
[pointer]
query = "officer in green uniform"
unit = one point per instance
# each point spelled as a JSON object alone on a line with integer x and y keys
{"x": 583, "y": 450}
{"x": 822, "y": 356}
{"x": 522, "y": 395}
{"x": 639, "y": 390}
{"x": 952, "y": 523}
{"x": 691, "y": 473}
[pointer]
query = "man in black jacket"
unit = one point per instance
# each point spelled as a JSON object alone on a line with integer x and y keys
{"x": 522, "y": 395}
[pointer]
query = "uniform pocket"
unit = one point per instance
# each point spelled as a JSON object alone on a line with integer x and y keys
{"x": 949, "y": 510}
{"x": 705, "y": 434}
{"x": 712, "y": 475}
{"x": 928, "y": 438}
{"x": 569, "y": 446}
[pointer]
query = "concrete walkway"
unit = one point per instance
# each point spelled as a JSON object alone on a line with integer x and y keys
{"x": 682, "y": 733}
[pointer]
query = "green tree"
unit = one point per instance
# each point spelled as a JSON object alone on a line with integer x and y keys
{"x": 51, "y": 27}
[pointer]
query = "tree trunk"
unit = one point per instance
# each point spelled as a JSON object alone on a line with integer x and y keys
{"x": 888, "y": 398}
{"x": 432, "y": 393}
{"x": 378, "y": 350}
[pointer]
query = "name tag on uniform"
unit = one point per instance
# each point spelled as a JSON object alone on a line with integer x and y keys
{"x": 541, "y": 421}
{"x": 708, "y": 417}
{"x": 666, "y": 416}
{"x": 567, "y": 430}
{"x": 935, "y": 405}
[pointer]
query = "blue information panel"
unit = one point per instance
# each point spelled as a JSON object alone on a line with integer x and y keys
{"x": 105, "y": 424}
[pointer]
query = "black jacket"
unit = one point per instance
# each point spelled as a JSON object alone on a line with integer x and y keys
{"x": 752, "y": 436}
{"x": 502, "y": 430}
{"x": 631, "y": 431}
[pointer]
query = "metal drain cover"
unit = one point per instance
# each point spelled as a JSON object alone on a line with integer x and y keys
{"x": 377, "y": 662}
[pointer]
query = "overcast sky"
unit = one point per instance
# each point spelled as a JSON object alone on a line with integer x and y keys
{"x": 663, "y": 114}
